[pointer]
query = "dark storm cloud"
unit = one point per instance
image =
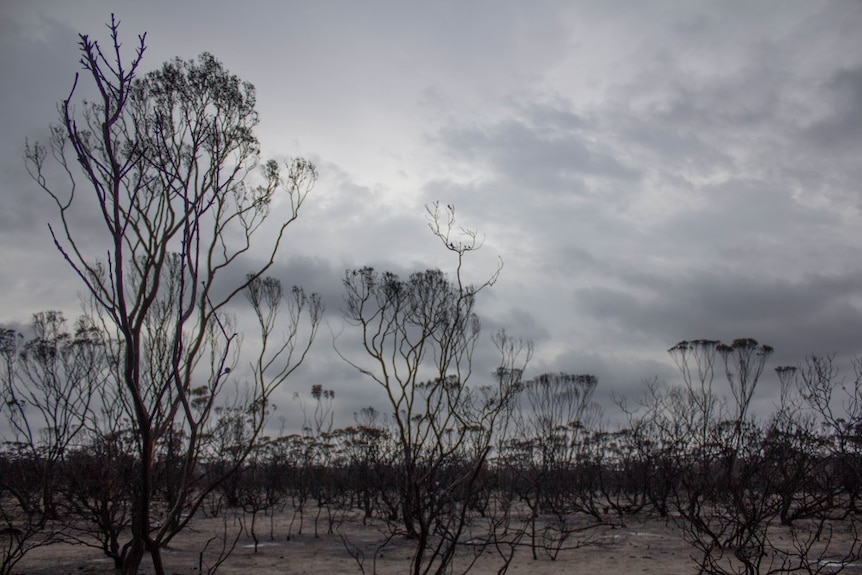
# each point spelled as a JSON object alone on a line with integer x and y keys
{"x": 840, "y": 130}
{"x": 816, "y": 315}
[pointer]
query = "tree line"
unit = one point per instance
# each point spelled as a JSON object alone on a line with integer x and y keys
{"x": 514, "y": 464}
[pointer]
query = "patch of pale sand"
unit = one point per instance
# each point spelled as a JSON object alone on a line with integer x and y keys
{"x": 641, "y": 547}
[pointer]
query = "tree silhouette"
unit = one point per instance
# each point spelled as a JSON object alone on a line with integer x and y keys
{"x": 172, "y": 162}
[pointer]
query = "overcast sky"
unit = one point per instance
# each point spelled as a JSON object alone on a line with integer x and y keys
{"x": 647, "y": 171}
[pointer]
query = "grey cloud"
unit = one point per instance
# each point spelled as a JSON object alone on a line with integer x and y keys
{"x": 35, "y": 82}
{"x": 647, "y": 175}
{"x": 523, "y": 152}
{"x": 841, "y": 129}
{"x": 816, "y": 315}
{"x": 517, "y": 322}
{"x": 754, "y": 243}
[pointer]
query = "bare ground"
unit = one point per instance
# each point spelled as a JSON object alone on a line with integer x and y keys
{"x": 640, "y": 546}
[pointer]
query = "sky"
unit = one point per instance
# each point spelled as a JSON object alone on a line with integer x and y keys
{"x": 647, "y": 171}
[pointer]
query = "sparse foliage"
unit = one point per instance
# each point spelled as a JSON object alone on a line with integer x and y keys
{"x": 419, "y": 336}
{"x": 170, "y": 161}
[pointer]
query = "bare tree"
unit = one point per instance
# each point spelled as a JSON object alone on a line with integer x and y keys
{"x": 696, "y": 362}
{"x": 749, "y": 496}
{"x": 744, "y": 361}
{"x": 170, "y": 158}
{"x": 837, "y": 403}
{"x": 552, "y": 421}
{"x": 319, "y": 421}
{"x": 46, "y": 387}
{"x": 419, "y": 336}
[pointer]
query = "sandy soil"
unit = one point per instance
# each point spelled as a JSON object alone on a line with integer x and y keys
{"x": 641, "y": 546}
